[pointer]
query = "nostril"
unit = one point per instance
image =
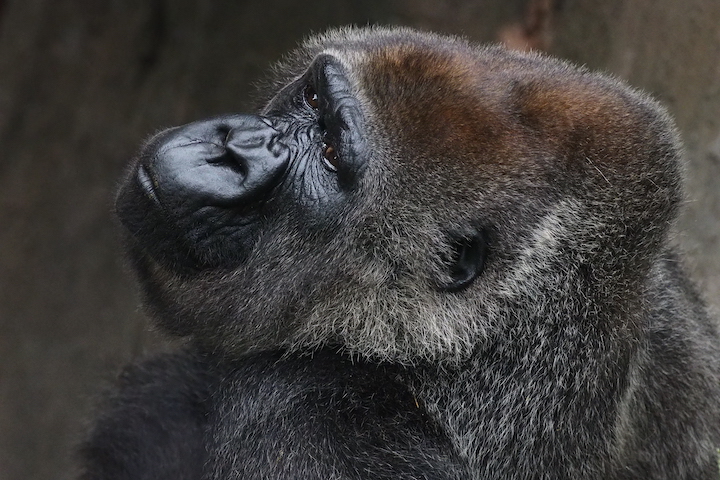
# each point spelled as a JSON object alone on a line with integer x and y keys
{"x": 244, "y": 140}
{"x": 231, "y": 157}
{"x": 231, "y": 161}
{"x": 223, "y": 131}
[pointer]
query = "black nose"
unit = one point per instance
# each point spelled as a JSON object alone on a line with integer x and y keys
{"x": 222, "y": 162}
{"x": 192, "y": 183}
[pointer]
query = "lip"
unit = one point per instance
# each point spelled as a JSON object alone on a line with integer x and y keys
{"x": 146, "y": 182}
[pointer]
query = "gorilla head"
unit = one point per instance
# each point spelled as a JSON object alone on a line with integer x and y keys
{"x": 486, "y": 230}
{"x": 404, "y": 197}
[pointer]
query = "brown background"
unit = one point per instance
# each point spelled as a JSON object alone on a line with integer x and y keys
{"x": 82, "y": 82}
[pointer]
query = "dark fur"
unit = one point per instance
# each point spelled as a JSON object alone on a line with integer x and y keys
{"x": 330, "y": 348}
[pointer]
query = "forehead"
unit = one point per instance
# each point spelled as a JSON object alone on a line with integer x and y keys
{"x": 439, "y": 97}
{"x": 410, "y": 60}
{"x": 444, "y": 100}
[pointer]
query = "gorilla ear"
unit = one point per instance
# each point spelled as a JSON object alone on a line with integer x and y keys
{"x": 467, "y": 260}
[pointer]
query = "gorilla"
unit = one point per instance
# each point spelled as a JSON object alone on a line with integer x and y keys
{"x": 420, "y": 259}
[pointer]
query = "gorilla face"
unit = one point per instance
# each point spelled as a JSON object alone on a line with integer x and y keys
{"x": 397, "y": 196}
{"x": 213, "y": 186}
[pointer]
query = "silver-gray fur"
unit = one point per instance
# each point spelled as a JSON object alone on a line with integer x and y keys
{"x": 482, "y": 284}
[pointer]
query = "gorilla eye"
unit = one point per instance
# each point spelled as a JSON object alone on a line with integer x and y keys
{"x": 332, "y": 161}
{"x": 311, "y": 97}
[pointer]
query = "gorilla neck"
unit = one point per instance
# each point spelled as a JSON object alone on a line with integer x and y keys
{"x": 549, "y": 373}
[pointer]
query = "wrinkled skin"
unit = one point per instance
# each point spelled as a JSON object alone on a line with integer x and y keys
{"x": 213, "y": 183}
{"x": 419, "y": 259}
